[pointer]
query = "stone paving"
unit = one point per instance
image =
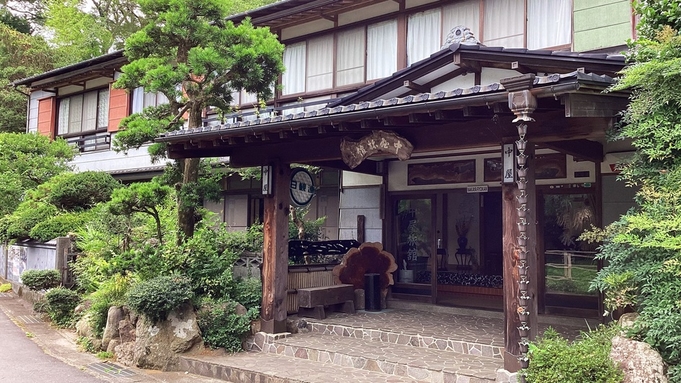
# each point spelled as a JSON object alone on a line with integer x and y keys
{"x": 465, "y": 334}
{"x": 430, "y": 365}
{"x": 249, "y": 367}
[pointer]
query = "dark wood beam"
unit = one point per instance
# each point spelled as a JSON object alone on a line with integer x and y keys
{"x": 581, "y": 149}
{"x": 416, "y": 87}
{"x": 423, "y": 118}
{"x": 275, "y": 251}
{"x": 594, "y": 105}
{"x": 372, "y": 124}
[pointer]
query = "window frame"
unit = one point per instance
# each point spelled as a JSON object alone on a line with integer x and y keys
{"x": 98, "y": 128}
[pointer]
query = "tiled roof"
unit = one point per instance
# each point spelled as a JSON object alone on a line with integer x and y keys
{"x": 462, "y": 93}
{"x": 604, "y": 63}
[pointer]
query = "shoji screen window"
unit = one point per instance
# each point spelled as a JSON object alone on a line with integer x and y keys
{"x": 84, "y": 112}
{"x": 351, "y": 50}
{"x": 504, "y": 23}
{"x": 293, "y": 79}
{"x": 381, "y": 49}
{"x": 320, "y": 63}
{"x": 142, "y": 99}
{"x": 464, "y": 13}
{"x": 423, "y": 35}
{"x": 549, "y": 23}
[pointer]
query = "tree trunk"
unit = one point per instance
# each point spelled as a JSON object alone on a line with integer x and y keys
{"x": 190, "y": 174}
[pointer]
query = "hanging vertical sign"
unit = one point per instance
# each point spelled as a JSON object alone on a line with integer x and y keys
{"x": 302, "y": 187}
{"x": 508, "y": 156}
{"x": 266, "y": 180}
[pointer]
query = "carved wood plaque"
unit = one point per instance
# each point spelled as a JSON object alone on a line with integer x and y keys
{"x": 354, "y": 152}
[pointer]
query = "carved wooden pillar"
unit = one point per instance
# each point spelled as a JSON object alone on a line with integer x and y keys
{"x": 520, "y": 233}
{"x": 275, "y": 251}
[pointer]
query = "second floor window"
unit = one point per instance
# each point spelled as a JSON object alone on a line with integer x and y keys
{"x": 142, "y": 99}
{"x": 83, "y": 112}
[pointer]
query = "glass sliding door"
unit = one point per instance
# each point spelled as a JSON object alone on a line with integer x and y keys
{"x": 413, "y": 218}
{"x": 569, "y": 264}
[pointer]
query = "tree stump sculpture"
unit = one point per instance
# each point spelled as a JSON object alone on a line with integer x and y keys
{"x": 369, "y": 258}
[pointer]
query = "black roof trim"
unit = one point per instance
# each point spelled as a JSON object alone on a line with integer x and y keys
{"x": 69, "y": 68}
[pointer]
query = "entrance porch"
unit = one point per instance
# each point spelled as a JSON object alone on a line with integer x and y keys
{"x": 408, "y": 342}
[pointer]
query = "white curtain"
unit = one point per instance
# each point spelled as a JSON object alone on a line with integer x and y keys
{"x": 504, "y": 23}
{"x": 350, "y": 56}
{"x": 320, "y": 63}
{"x": 423, "y": 35}
{"x": 381, "y": 49}
{"x": 63, "y": 121}
{"x": 89, "y": 112}
{"x": 465, "y": 13}
{"x": 293, "y": 79}
{"x": 75, "y": 114}
{"x": 137, "y": 100}
{"x": 549, "y": 23}
{"x": 248, "y": 98}
{"x": 103, "y": 109}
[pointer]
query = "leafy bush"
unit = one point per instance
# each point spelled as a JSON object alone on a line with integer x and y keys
{"x": 58, "y": 226}
{"x": 109, "y": 293}
{"x": 27, "y": 215}
{"x": 40, "y": 279}
{"x": 5, "y": 287}
{"x": 248, "y": 292}
{"x": 156, "y": 297}
{"x": 60, "y": 303}
{"x": 553, "y": 359}
{"x": 221, "y": 326}
{"x": 77, "y": 191}
{"x": 209, "y": 257}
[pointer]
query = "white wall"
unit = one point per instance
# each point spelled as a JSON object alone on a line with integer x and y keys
{"x": 364, "y": 201}
{"x": 110, "y": 161}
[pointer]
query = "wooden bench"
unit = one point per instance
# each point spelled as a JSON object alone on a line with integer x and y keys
{"x": 313, "y": 301}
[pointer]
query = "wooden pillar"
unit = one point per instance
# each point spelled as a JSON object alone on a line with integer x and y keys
{"x": 275, "y": 251}
{"x": 519, "y": 211}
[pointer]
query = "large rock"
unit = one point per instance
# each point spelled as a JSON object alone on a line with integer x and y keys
{"x": 114, "y": 316}
{"x": 640, "y": 363}
{"x": 83, "y": 327}
{"x": 158, "y": 345}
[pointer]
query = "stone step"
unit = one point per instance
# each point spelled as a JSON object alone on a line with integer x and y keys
{"x": 251, "y": 367}
{"x": 455, "y": 333}
{"x": 423, "y": 364}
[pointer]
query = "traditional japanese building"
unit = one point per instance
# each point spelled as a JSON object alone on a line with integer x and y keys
{"x": 469, "y": 136}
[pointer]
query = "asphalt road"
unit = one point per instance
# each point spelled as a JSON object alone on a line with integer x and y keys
{"x": 22, "y": 361}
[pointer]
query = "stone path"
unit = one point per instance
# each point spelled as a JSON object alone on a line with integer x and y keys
{"x": 394, "y": 345}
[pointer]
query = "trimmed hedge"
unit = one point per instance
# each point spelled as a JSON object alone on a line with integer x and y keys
{"x": 41, "y": 279}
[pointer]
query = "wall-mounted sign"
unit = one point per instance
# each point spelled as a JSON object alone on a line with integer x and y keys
{"x": 266, "y": 180}
{"x": 508, "y": 156}
{"x": 302, "y": 187}
{"x": 477, "y": 189}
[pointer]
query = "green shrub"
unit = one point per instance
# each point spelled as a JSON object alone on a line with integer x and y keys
{"x": 156, "y": 297}
{"x": 5, "y": 287}
{"x": 221, "y": 326}
{"x": 40, "y": 279}
{"x": 553, "y": 359}
{"x": 60, "y": 305}
{"x": 248, "y": 292}
{"x": 58, "y": 226}
{"x": 109, "y": 293}
{"x": 28, "y": 214}
{"x": 77, "y": 191}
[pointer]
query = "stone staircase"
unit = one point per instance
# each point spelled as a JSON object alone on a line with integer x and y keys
{"x": 364, "y": 348}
